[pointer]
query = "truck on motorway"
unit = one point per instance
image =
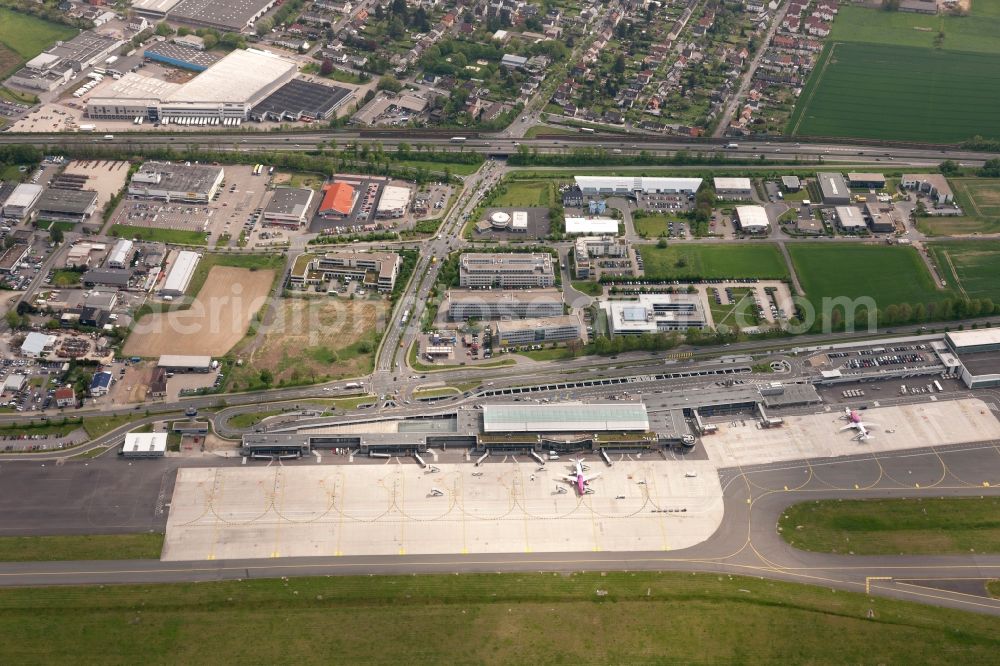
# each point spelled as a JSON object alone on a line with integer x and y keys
{"x": 732, "y": 146}
{"x": 352, "y": 385}
{"x": 458, "y": 139}
{"x": 88, "y": 128}
{"x": 109, "y": 137}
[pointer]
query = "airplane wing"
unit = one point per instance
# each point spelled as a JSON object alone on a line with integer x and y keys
{"x": 849, "y": 426}
{"x": 872, "y": 425}
{"x": 591, "y": 477}
{"x": 570, "y": 478}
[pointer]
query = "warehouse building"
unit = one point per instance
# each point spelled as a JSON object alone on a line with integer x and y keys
{"x": 121, "y": 254}
{"x": 373, "y": 269}
{"x": 224, "y": 93}
{"x": 59, "y": 64}
{"x": 506, "y": 270}
{"x": 880, "y": 217}
{"x": 107, "y": 277}
{"x": 66, "y": 205}
{"x": 184, "y": 363}
{"x": 22, "y": 201}
{"x": 339, "y": 199}
{"x": 565, "y": 417}
{"x": 752, "y": 219}
{"x": 36, "y": 345}
{"x": 736, "y": 189}
{"x": 176, "y": 182}
{"x": 224, "y": 15}
{"x": 302, "y": 100}
{"x": 518, "y": 332}
{"x": 592, "y": 226}
{"x": 833, "y": 189}
{"x": 393, "y": 202}
{"x": 487, "y": 305}
{"x": 288, "y": 207}
{"x": 180, "y": 274}
{"x": 849, "y": 219}
{"x": 933, "y": 184}
{"x": 144, "y": 445}
{"x": 156, "y": 9}
{"x": 11, "y": 257}
{"x": 978, "y": 351}
{"x": 654, "y": 313}
{"x": 182, "y": 56}
{"x": 869, "y": 181}
{"x": 630, "y": 186}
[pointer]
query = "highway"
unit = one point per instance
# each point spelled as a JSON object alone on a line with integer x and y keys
{"x": 746, "y": 543}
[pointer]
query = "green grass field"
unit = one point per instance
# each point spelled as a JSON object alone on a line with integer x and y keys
{"x": 654, "y": 225}
{"x": 175, "y": 236}
{"x": 84, "y": 547}
{"x": 526, "y": 193}
{"x": 975, "y": 33}
{"x": 972, "y": 267}
{"x": 25, "y": 36}
{"x": 934, "y": 526}
{"x": 745, "y": 260}
{"x": 900, "y": 93}
{"x": 889, "y": 274}
{"x": 486, "y": 619}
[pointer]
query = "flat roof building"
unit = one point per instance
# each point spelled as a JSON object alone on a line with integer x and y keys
{"x": 849, "y": 219}
{"x": 565, "y": 417}
{"x": 22, "y": 201}
{"x": 873, "y": 181}
{"x": 517, "y": 332}
{"x": 66, "y": 205}
{"x": 300, "y": 100}
{"x": 655, "y": 313}
{"x": 288, "y": 207}
{"x": 375, "y": 269}
{"x": 978, "y": 351}
{"x": 180, "y": 55}
{"x": 36, "y": 344}
{"x": 506, "y": 270}
{"x": 588, "y": 248}
{"x": 487, "y": 305}
{"x": 145, "y": 445}
{"x": 339, "y": 199}
{"x": 791, "y": 183}
{"x": 630, "y": 185}
{"x": 196, "y": 183}
{"x": 592, "y": 226}
{"x": 752, "y": 219}
{"x": 974, "y": 341}
{"x": 733, "y": 188}
{"x": 60, "y": 63}
{"x": 226, "y": 15}
{"x": 932, "y": 184}
{"x": 107, "y": 277}
{"x": 121, "y": 254}
{"x": 184, "y": 363}
{"x": 154, "y": 8}
{"x": 833, "y": 188}
{"x": 879, "y": 217}
{"x": 180, "y": 274}
{"x": 12, "y": 256}
{"x": 393, "y": 202}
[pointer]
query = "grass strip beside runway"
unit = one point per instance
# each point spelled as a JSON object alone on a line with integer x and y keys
{"x": 538, "y": 618}
{"x": 935, "y": 526}
{"x": 83, "y": 547}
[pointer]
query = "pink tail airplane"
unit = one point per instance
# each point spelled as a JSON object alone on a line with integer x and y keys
{"x": 854, "y": 422}
{"x": 579, "y": 479}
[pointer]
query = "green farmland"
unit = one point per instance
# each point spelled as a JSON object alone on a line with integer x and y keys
{"x": 695, "y": 261}
{"x": 889, "y": 274}
{"x": 530, "y": 618}
{"x": 900, "y": 93}
{"x": 23, "y": 36}
{"x": 979, "y": 198}
{"x": 972, "y": 267}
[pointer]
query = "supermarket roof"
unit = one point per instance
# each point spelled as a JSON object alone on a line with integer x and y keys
{"x": 339, "y": 197}
{"x": 565, "y": 417}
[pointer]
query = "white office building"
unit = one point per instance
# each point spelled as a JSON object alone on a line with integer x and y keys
{"x": 655, "y": 313}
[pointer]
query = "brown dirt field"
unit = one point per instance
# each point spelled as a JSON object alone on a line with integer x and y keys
{"x": 306, "y": 333}
{"x": 217, "y": 319}
{"x": 132, "y": 387}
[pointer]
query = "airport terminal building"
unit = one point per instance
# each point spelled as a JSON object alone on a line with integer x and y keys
{"x": 978, "y": 351}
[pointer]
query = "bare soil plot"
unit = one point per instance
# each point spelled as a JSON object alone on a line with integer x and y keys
{"x": 132, "y": 386}
{"x": 217, "y": 319}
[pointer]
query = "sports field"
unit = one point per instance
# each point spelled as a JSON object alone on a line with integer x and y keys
{"x": 972, "y": 267}
{"x": 900, "y": 93}
{"x": 23, "y": 36}
{"x": 745, "y": 260}
{"x": 531, "y": 618}
{"x": 889, "y": 274}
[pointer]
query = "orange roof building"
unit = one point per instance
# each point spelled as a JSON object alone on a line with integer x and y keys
{"x": 338, "y": 200}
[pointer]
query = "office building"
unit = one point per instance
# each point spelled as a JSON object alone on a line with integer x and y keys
{"x": 520, "y": 332}
{"x": 506, "y": 270}
{"x": 486, "y": 305}
{"x": 288, "y": 207}
{"x": 655, "y": 313}
{"x": 373, "y": 269}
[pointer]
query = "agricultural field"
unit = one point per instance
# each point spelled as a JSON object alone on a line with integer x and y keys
{"x": 933, "y": 526}
{"x": 23, "y": 36}
{"x": 900, "y": 93}
{"x": 488, "y": 619}
{"x": 314, "y": 339}
{"x": 888, "y": 274}
{"x": 979, "y": 198}
{"x": 745, "y": 260}
{"x": 526, "y": 193}
{"x": 976, "y": 33}
{"x": 972, "y": 267}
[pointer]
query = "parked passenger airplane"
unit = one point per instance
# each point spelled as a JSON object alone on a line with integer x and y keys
{"x": 579, "y": 479}
{"x": 854, "y": 422}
